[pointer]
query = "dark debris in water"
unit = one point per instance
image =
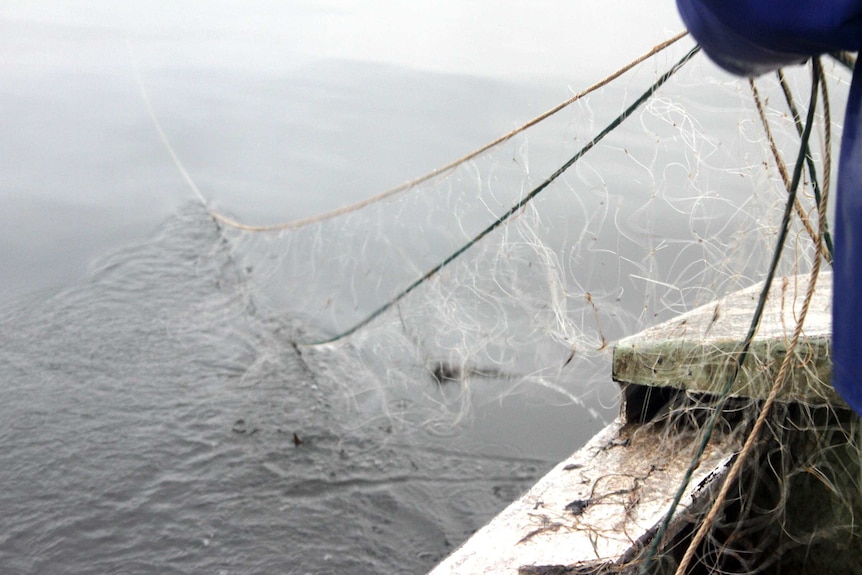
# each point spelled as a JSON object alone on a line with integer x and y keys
{"x": 241, "y": 427}
{"x": 444, "y": 372}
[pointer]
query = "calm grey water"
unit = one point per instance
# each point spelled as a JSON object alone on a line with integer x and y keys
{"x": 135, "y": 440}
{"x": 147, "y": 406}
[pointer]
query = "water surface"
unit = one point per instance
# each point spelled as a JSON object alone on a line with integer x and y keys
{"x": 155, "y": 414}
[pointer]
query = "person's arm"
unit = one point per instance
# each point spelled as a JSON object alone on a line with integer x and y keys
{"x": 751, "y": 37}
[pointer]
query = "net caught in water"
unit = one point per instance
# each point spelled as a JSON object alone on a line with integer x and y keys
{"x": 678, "y": 206}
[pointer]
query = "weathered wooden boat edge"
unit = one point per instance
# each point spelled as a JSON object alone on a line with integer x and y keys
{"x": 596, "y": 511}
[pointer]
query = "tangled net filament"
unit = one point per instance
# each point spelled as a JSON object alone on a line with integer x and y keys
{"x": 634, "y": 236}
{"x": 786, "y": 445}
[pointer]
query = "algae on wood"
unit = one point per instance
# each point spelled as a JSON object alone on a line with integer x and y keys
{"x": 694, "y": 351}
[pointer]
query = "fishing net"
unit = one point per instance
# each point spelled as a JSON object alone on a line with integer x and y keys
{"x": 443, "y": 306}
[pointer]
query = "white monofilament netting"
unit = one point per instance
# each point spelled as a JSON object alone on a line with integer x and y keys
{"x": 678, "y": 206}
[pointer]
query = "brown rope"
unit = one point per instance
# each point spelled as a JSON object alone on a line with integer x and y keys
{"x": 827, "y": 155}
{"x": 782, "y": 169}
{"x": 436, "y": 172}
{"x": 750, "y": 441}
{"x": 744, "y": 454}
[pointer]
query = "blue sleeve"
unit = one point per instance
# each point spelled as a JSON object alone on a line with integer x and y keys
{"x": 751, "y": 37}
{"x": 847, "y": 266}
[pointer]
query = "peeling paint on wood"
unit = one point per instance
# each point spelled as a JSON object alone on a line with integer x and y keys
{"x": 621, "y": 493}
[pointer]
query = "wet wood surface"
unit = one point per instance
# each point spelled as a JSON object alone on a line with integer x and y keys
{"x": 694, "y": 350}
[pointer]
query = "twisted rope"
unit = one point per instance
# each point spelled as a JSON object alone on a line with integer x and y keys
{"x": 519, "y": 205}
{"x": 742, "y": 354}
{"x": 295, "y": 224}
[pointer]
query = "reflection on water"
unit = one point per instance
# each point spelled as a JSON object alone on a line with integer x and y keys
{"x": 148, "y": 418}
